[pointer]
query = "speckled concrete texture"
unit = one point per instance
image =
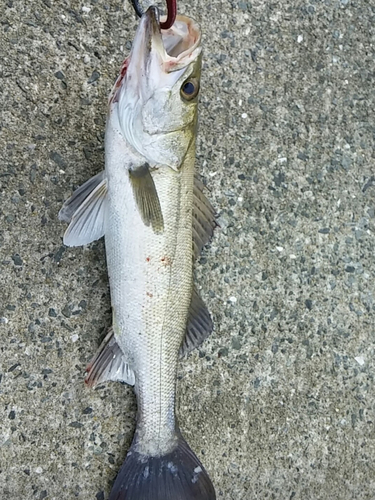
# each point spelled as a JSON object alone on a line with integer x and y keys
{"x": 279, "y": 402}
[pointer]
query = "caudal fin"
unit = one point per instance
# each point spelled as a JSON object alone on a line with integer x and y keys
{"x": 179, "y": 475}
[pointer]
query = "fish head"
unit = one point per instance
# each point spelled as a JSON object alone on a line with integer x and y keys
{"x": 157, "y": 98}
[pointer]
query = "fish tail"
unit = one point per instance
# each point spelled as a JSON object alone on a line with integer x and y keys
{"x": 178, "y": 475}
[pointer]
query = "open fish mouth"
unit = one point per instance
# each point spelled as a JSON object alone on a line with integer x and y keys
{"x": 173, "y": 48}
{"x": 181, "y": 42}
{"x": 156, "y": 53}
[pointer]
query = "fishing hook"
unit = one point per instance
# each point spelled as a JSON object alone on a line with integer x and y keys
{"x": 171, "y": 12}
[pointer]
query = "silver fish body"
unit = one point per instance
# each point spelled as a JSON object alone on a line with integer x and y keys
{"x": 151, "y": 285}
{"x": 151, "y": 208}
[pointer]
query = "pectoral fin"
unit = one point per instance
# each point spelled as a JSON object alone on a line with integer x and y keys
{"x": 199, "y": 325}
{"x": 109, "y": 364}
{"x": 147, "y": 198}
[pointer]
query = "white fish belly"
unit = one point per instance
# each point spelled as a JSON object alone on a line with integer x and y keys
{"x": 151, "y": 284}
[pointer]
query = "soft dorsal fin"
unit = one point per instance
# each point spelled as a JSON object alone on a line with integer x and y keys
{"x": 203, "y": 218}
{"x": 109, "y": 364}
{"x": 199, "y": 325}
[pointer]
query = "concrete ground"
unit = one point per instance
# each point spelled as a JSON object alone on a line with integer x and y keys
{"x": 279, "y": 402}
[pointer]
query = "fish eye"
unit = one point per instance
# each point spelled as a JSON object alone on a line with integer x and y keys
{"x": 190, "y": 89}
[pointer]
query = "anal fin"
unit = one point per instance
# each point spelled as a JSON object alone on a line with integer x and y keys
{"x": 109, "y": 364}
{"x": 147, "y": 198}
{"x": 199, "y": 325}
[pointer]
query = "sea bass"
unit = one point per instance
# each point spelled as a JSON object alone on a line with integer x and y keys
{"x": 149, "y": 205}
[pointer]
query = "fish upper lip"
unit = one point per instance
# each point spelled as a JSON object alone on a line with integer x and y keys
{"x": 153, "y": 17}
{"x": 153, "y": 32}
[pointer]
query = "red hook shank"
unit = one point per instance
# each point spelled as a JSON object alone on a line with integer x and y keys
{"x": 171, "y": 15}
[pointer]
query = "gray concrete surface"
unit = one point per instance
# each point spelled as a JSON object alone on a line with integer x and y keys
{"x": 279, "y": 403}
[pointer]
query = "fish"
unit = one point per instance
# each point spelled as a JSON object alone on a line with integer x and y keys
{"x": 150, "y": 206}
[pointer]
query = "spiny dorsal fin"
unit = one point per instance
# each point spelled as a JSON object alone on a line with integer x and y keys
{"x": 109, "y": 364}
{"x": 87, "y": 223}
{"x": 203, "y": 218}
{"x": 199, "y": 325}
{"x": 146, "y": 197}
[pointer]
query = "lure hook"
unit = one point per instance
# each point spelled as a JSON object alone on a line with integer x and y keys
{"x": 171, "y": 12}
